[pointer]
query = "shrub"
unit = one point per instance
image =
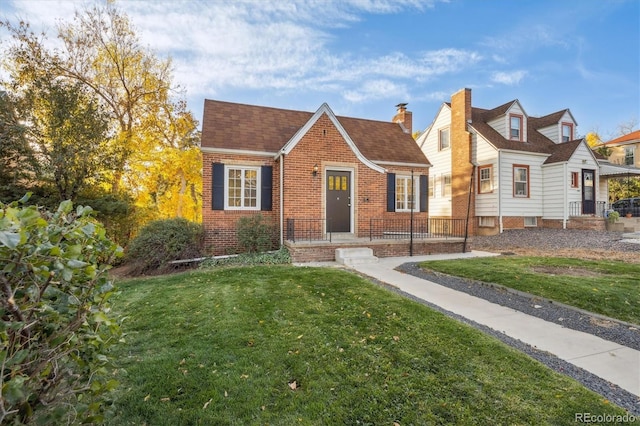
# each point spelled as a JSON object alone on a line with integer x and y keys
{"x": 279, "y": 257}
{"x": 161, "y": 241}
{"x": 55, "y": 322}
{"x": 256, "y": 234}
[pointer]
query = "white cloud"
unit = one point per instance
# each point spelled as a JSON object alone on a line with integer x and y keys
{"x": 508, "y": 78}
{"x": 376, "y": 89}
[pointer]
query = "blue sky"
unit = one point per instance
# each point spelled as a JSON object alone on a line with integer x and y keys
{"x": 363, "y": 57}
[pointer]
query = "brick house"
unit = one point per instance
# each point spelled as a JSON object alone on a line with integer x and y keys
{"x": 508, "y": 170}
{"x": 313, "y": 174}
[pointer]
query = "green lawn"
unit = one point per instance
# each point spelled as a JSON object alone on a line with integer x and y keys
{"x": 284, "y": 345}
{"x": 610, "y": 288}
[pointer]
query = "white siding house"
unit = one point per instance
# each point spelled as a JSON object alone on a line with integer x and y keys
{"x": 527, "y": 171}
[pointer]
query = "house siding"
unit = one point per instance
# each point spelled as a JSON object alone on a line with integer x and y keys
{"x": 439, "y": 205}
{"x": 519, "y": 206}
{"x": 486, "y": 155}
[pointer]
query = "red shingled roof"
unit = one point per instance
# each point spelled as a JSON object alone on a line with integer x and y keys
{"x": 235, "y": 126}
{"x": 625, "y": 138}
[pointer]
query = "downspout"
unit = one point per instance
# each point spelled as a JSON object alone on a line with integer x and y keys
{"x": 281, "y": 159}
{"x": 500, "y": 185}
{"x": 565, "y": 197}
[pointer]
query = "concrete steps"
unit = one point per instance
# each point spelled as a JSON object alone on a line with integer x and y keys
{"x": 355, "y": 256}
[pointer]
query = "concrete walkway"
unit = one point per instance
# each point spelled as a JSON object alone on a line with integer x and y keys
{"x": 608, "y": 360}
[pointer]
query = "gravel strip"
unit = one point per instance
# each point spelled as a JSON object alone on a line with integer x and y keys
{"x": 610, "y": 391}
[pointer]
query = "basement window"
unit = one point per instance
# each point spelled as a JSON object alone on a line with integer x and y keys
{"x": 530, "y": 221}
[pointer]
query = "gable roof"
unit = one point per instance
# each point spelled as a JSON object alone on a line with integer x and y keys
{"x": 563, "y": 151}
{"x": 259, "y": 129}
{"x": 633, "y": 136}
{"x": 536, "y": 142}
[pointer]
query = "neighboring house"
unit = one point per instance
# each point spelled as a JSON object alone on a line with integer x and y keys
{"x": 622, "y": 163}
{"x": 505, "y": 169}
{"x": 625, "y": 150}
{"x": 313, "y": 174}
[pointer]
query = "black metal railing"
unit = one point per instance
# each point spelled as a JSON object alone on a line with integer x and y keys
{"x": 576, "y": 208}
{"x": 308, "y": 230}
{"x": 400, "y": 229}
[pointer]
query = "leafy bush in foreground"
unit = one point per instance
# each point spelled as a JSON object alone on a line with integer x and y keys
{"x": 55, "y": 322}
{"x": 161, "y": 241}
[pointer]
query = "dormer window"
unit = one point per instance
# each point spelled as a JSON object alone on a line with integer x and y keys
{"x": 515, "y": 127}
{"x": 567, "y": 132}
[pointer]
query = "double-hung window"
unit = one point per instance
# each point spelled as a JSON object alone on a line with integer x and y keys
{"x": 443, "y": 139}
{"x": 242, "y": 188}
{"x": 446, "y": 185}
{"x": 521, "y": 181}
{"x": 405, "y": 197}
{"x": 485, "y": 184}
{"x": 629, "y": 157}
{"x": 515, "y": 127}
{"x": 567, "y": 132}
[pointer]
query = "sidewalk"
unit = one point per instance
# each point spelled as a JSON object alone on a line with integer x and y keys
{"x": 610, "y": 361}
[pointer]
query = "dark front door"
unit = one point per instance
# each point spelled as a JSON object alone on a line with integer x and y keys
{"x": 338, "y": 186}
{"x": 588, "y": 192}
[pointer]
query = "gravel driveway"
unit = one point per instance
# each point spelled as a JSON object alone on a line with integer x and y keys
{"x": 560, "y": 242}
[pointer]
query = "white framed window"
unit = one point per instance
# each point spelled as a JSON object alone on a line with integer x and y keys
{"x": 443, "y": 139}
{"x": 485, "y": 182}
{"x": 446, "y": 185}
{"x": 521, "y": 181}
{"x": 242, "y": 185}
{"x": 515, "y": 127}
{"x": 432, "y": 188}
{"x": 575, "y": 180}
{"x": 629, "y": 155}
{"x": 567, "y": 132}
{"x": 530, "y": 221}
{"x": 405, "y": 198}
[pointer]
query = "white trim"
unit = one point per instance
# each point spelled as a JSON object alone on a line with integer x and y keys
{"x": 395, "y": 163}
{"x": 228, "y": 167}
{"x": 324, "y": 109}
{"x": 237, "y": 151}
{"x": 352, "y": 184}
{"x": 416, "y": 193}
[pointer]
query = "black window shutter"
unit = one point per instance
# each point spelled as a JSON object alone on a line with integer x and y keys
{"x": 217, "y": 187}
{"x": 267, "y": 184}
{"x": 424, "y": 191}
{"x": 391, "y": 192}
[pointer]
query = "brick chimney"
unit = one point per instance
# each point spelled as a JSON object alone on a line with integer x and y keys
{"x": 403, "y": 117}
{"x": 461, "y": 158}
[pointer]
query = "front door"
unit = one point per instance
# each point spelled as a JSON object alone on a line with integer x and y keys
{"x": 588, "y": 192}
{"x": 338, "y": 186}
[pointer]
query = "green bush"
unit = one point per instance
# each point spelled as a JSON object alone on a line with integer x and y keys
{"x": 256, "y": 234}
{"x": 279, "y": 257}
{"x": 161, "y": 241}
{"x": 56, "y": 327}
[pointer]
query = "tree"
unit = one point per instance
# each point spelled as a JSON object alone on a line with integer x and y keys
{"x": 152, "y": 130}
{"x": 69, "y": 129}
{"x": 17, "y": 161}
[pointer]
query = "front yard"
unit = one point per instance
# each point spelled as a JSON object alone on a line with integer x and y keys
{"x": 610, "y": 288}
{"x": 290, "y": 345}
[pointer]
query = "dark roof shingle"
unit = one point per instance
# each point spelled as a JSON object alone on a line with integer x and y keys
{"x": 264, "y": 129}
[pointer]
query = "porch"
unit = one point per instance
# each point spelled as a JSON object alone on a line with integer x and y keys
{"x": 312, "y": 239}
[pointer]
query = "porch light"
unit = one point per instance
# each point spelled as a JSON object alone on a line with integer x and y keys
{"x": 315, "y": 169}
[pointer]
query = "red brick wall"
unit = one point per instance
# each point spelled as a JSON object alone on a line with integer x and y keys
{"x": 220, "y": 225}
{"x": 322, "y": 145}
{"x": 461, "y": 166}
